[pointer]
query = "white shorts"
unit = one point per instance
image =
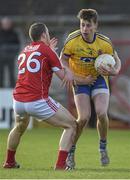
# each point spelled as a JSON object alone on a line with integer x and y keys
{"x": 41, "y": 109}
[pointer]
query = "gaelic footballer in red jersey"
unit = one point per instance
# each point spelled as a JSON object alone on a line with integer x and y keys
{"x": 36, "y": 64}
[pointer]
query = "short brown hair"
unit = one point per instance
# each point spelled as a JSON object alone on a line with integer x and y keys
{"x": 35, "y": 31}
{"x": 88, "y": 14}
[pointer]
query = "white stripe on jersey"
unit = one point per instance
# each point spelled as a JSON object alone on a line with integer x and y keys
{"x": 54, "y": 69}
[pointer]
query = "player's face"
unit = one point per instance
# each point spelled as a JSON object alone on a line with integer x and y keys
{"x": 87, "y": 29}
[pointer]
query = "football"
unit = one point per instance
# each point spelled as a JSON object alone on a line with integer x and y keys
{"x": 106, "y": 60}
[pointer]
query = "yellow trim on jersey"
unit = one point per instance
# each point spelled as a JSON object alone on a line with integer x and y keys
{"x": 103, "y": 36}
{"x": 75, "y": 32}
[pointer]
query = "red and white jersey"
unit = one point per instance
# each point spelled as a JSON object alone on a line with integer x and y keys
{"x": 36, "y": 64}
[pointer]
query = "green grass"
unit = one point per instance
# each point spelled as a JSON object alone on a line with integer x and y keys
{"x": 37, "y": 154}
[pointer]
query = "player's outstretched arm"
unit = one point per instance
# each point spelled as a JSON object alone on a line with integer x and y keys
{"x": 68, "y": 74}
{"x": 66, "y": 77}
{"x": 77, "y": 79}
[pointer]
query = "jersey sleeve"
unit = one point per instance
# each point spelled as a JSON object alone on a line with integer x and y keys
{"x": 67, "y": 49}
{"x": 53, "y": 60}
{"x": 70, "y": 43}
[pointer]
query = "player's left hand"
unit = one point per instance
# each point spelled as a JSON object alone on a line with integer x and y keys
{"x": 107, "y": 71}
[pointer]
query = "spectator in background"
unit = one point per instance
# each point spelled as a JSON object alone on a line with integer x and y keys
{"x": 9, "y": 47}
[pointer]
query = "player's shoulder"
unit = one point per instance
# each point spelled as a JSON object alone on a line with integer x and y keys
{"x": 103, "y": 37}
{"x": 73, "y": 35}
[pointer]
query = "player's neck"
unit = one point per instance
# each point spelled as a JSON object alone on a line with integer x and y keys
{"x": 90, "y": 38}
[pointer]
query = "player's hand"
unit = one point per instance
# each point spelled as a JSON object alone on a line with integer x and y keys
{"x": 90, "y": 79}
{"x": 107, "y": 71}
{"x": 104, "y": 70}
{"x": 53, "y": 44}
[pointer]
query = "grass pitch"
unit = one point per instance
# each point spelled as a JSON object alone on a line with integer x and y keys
{"x": 37, "y": 154}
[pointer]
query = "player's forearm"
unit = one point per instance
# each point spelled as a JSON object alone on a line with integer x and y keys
{"x": 66, "y": 77}
{"x": 115, "y": 70}
{"x": 61, "y": 73}
{"x": 118, "y": 63}
{"x": 65, "y": 65}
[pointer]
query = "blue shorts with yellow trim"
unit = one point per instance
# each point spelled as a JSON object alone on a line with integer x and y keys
{"x": 99, "y": 86}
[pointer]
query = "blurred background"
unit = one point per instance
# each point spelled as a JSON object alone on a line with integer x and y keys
{"x": 60, "y": 17}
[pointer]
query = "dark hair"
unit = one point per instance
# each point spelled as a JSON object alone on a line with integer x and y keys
{"x": 88, "y": 14}
{"x": 35, "y": 31}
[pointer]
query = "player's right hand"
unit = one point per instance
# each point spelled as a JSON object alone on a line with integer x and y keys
{"x": 53, "y": 44}
{"x": 66, "y": 76}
